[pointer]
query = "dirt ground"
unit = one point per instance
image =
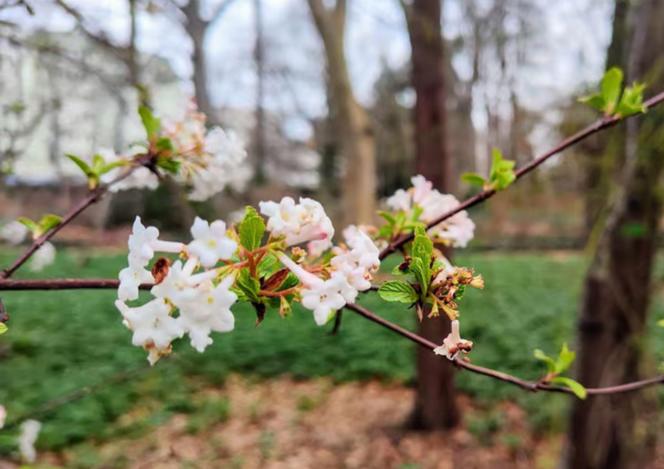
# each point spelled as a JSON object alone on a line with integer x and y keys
{"x": 290, "y": 424}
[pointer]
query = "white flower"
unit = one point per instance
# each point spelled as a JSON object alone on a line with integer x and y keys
{"x": 210, "y": 242}
{"x": 299, "y": 223}
{"x": 131, "y": 278}
{"x": 358, "y": 263}
{"x": 143, "y": 242}
{"x": 210, "y": 311}
{"x": 321, "y": 296}
{"x": 328, "y": 296}
{"x": 43, "y": 257}
{"x": 14, "y": 232}
{"x": 153, "y": 326}
{"x": 178, "y": 285}
{"x": 453, "y": 343}
{"x": 140, "y": 242}
{"x": 3, "y": 415}
{"x": 27, "y": 439}
{"x": 456, "y": 231}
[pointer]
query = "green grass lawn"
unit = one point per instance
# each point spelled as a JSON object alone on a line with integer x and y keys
{"x": 60, "y": 342}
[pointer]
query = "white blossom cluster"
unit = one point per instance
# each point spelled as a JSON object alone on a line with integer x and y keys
{"x": 202, "y": 300}
{"x": 304, "y": 222}
{"x": 208, "y": 160}
{"x": 351, "y": 272}
{"x": 456, "y": 231}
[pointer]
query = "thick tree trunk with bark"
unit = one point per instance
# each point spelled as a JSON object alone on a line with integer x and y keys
{"x": 352, "y": 122}
{"x": 435, "y": 404}
{"x": 619, "y": 431}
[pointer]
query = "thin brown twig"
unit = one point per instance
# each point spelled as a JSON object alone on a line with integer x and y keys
{"x": 601, "y": 124}
{"x": 93, "y": 196}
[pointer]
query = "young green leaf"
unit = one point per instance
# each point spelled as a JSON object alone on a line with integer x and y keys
{"x": 3, "y": 328}
{"x": 610, "y": 88}
{"x": 48, "y": 222}
{"x": 565, "y": 359}
{"x": 151, "y": 123}
{"x": 422, "y": 275}
{"x": 576, "y": 387}
{"x": 398, "y": 291}
{"x": 422, "y": 246}
{"x": 251, "y": 229}
{"x": 248, "y": 286}
{"x": 631, "y": 101}
{"x": 502, "y": 173}
{"x": 473, "y": 179}
{"x": 548, "y": 361}
{"x": 168, "y": 164}
{"x": 87, "y": 171}
{"x": 32, "y": 226}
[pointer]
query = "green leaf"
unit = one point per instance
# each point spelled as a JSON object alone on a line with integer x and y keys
{"x": 48, "y": 222}
{"x": 169, "y": 165}
{"x": 422, "y": 246}
{"x": 502, "y": 173}
{"x": 248, "y": 285}
{"x": 388, "y": 217}
{"x": 422, "y": 275}
{"x": 251, "y": 229}
{"x": 595, "y": 101}
{"x": 110, "y": 166}
{"x": 82, "y": 165}
{"x": 565, "y": 359}
{"x": 543, "y": 357}
{"x": 398, "y": 291}
{"x": 164, "y": 144}
{"x": 473, "y": 179}
{"x": 631, "y": 101}
{"x": 660, "y": 323}
{"x": 610, "y": 88}
{"x": 151, "y": 123}
{"x": 29, "y": 224}
{"x": 576, "y": 387}
{"x": 3, "y": 328}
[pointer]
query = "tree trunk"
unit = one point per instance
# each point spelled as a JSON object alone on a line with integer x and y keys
{"x": 196, "y": 28}
{"x": 352, "y": 122}
{"x": 435, "y": 404}
{"x": 259, "y": 129}
{"x": 602, "y": 162}
{"x": 619, "y": 431}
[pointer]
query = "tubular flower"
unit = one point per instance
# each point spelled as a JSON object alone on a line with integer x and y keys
{"x": 210, "y": 242}
{"x": 305, "y": 222}
{"x": 152, "y": 325}
{"x": 453, "y": 344}
{"x": 456, "y": 231}
{"x": 209, "y": 311}
{"x": 323, "y": 297}
{"x": 360, "y": 261}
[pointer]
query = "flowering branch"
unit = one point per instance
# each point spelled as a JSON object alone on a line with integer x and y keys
{"x": 77, "y": 283}
{"x": 597, "y": 126}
